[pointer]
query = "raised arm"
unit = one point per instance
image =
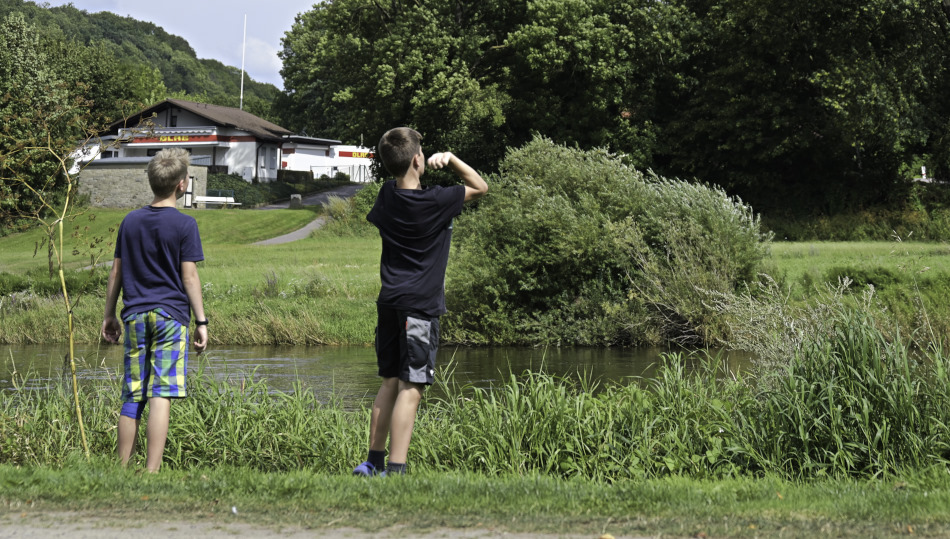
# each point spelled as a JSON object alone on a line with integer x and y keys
{"x": 192, "y": 283}
{"x": 475, "y": 186}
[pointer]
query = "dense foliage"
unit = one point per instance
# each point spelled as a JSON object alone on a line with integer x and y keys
{"x": 41, "y": 119}
{"x": 794, "y": 105}
{"x": 140, "y": 56}
{"x": 576, "y": 247}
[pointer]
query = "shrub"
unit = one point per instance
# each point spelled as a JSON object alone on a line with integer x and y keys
{"x": 294, "y": 176}
{"x": 248, "y": 194}
{"x": 575, "y": 247}
{"x": 348, "y": 216}
{"x": 255, "y": 194}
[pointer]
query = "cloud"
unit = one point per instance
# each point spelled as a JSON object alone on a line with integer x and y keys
{"x": 261, "y": 59}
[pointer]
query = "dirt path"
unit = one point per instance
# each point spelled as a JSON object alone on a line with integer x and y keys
{"x": 345, "y": 191}
{"x": 75, "y": 525}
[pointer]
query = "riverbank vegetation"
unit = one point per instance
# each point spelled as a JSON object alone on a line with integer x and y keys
{"x": 832, "y": 397}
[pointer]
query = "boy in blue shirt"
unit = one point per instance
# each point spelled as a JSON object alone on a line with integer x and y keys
{"x": 415, "y": 225}
{"x": 155, "y": 268}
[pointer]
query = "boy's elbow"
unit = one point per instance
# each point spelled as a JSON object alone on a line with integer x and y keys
{"x": 476, "y": 191}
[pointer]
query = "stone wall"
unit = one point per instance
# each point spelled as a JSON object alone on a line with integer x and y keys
{"x": 125, "y": 185}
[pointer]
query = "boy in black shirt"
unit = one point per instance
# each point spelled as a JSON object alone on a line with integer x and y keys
{"x": 415, "y": 224}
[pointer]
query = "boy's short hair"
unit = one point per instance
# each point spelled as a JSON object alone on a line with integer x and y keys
{"x": 166, "y": 169}
{"x": 397, "y": 147}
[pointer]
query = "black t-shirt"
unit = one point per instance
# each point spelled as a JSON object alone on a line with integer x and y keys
{"x": 416, "y": 228}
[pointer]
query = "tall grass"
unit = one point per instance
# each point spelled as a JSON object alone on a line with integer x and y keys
{"x": 848, "y": 403}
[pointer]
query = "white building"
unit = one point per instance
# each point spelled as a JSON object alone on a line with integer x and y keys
{"x": 324, "y": 157}
{"x": 227, "y": 140}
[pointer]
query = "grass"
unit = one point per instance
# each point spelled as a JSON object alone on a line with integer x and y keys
{"x": 427, "y": 502}
{"x": 803, "y": 263}
{"x": 318, "y": 290}
{"x": 322, "y": 289}
{"x": 217, "y": 228}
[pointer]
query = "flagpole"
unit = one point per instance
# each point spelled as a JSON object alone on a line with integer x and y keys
{"x": 243, "y": 48}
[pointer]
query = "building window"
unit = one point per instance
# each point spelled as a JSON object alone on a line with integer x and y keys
{"x": 173, "y": 122}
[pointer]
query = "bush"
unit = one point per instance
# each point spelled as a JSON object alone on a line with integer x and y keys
{"x": 347, "y": 217}
{"x": 251, "y": 195}
{"x": 294, "y": 176}
{"x": 924, "y": 215}
{"x": 248, "y": 194}
{"x": 574, "y": 247}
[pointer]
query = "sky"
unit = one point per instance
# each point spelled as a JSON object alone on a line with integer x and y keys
{"x": 215, "y": 28}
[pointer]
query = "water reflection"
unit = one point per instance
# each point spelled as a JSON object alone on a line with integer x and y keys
{"x": 347, "y": 373}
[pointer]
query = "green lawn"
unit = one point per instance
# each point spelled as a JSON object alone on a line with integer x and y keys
{"x": 99, "y": 225}
{"x": 796, "y": 259}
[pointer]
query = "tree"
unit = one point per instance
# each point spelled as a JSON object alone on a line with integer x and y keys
{"x": 42, "y": 123}
{"x": 480, "y": 77}
{"x": 354, "y": 68}
{"x": 803, "y": 103}
{"x": 36, "y": 112}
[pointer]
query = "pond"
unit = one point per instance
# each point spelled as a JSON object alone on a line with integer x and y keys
{"x": 347, "y": 373}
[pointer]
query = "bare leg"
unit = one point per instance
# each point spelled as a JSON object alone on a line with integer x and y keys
{"x": 128, "y": 432}
{"x": 382, "y": 414}
{"x": 403, "y": 420}
{"x": 156, "y": 432}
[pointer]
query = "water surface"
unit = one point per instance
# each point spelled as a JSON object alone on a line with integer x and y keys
{"x": 342, "y": 372}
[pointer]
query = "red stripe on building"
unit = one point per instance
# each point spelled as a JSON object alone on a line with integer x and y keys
{"x": 170, "y": 139}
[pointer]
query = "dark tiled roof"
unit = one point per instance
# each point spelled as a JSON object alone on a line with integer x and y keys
{"x": 217, "y": 115}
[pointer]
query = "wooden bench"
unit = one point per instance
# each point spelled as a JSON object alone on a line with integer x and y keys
{"x": 225, "y": 201}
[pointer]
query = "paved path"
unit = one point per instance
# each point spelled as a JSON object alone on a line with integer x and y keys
{"x": 344, "y": 191}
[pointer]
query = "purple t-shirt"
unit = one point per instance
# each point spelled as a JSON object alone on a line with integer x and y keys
{"x": 152, "y": 243}
{"x": 416, "y": 228}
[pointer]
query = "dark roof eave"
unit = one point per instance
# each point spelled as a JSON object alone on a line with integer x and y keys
{"x": 266, "y": 131}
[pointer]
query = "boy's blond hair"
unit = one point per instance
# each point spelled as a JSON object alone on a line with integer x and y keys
{"x": 166, "y": 169}
{"x": 397, "y": 147}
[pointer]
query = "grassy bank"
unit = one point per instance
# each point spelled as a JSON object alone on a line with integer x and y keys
{"x": 695, "y": 451}
{"x": 680, "y": 507}
{"x": 845, "y": 403}
{"x": 321, "y": 290}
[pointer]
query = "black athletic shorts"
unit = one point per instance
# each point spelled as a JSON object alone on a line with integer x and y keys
{"x": 406, "y": 344}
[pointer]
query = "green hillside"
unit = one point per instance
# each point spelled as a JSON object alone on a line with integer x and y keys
{"x": 138, "y": 43}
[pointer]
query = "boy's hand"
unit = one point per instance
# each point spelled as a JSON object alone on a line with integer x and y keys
{"x": 201, "y": 338}
{"x": 440, "y": 160}
{"x": 475, "y": 186}
{"x": 111, "y": 329}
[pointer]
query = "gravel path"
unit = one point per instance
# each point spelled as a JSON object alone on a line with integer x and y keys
{"x": 345, "y": 191}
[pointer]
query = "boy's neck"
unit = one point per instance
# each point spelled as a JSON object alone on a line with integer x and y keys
{"x": 171, "y": 200}
{"x": 165, "y": 202}
{"x": 404, "y": 183}
{"x": 409, "y": 181}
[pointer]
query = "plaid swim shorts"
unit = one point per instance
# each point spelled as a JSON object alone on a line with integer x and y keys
{"x": 156, "y": 356}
